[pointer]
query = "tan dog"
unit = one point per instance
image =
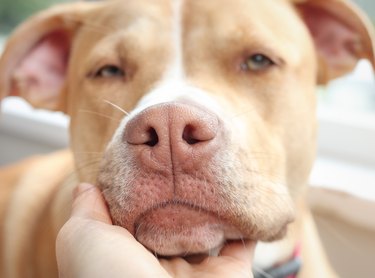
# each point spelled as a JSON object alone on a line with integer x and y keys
{"x": 220, "y": 136}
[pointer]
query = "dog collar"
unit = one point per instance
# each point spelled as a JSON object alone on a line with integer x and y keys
{"x": 288, "y": 269}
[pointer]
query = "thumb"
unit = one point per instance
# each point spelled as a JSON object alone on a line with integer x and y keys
{"x": 88, "y": 203}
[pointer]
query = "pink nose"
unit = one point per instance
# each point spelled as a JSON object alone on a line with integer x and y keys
{"x": 181, "y": 134}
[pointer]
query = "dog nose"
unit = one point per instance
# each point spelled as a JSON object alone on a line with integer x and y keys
{"x": 182, "y": 132}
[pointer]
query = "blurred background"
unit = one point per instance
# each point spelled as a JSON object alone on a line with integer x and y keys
{"x": 345, "y": 161}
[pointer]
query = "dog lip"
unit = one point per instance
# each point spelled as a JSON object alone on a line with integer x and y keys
{"x": 173, "y": 203}
{"x": 176, "y": 227}
{"x": 164, "y": 204}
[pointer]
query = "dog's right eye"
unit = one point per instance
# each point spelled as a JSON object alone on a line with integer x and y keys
{"x": 109, "y": 71}
{"x": 257, "y": 62}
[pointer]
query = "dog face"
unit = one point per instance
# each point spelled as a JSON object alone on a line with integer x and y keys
{"x": 195, "y": 118}
{"x": 194, "y": 195}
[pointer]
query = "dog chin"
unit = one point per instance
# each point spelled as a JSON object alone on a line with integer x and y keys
{"x": 180, "y": 230}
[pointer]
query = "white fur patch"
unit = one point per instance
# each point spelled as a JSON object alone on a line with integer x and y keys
{"x": 176, "y": 69}
{"x": 268, "y": 254}
{"x": 177, "y": 90}
{"x": 173, "y": 86}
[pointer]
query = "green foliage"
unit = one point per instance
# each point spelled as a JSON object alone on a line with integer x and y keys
{"x": 12, "y": 12}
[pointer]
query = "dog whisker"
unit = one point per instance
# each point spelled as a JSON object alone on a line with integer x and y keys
{"x": 99, "y": 114}
{"x": 187, "y": 251}
{"x": 137, "y": 230}
{"x": 156, "y": 254}
{"x": 244, "y": 246}
{"x": 264, "y": 274}
{"x": 98, "y": 153}
{"x": 116, "y": 106}
{"x": 90, "y": 163}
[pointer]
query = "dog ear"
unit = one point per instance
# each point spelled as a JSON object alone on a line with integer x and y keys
{"x": 35, "y": 59}
{"x": 342, "y": 34}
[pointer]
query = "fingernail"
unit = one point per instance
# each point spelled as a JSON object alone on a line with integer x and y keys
{"x": 81, "y": 188}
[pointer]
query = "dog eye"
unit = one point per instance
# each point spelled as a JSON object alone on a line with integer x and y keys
{"x": 257, "y": 62}
{"x": 109, "y": 71}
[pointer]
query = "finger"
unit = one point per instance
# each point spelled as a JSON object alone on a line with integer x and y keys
{"x": 89, "y": 203}
{"x": 242, "y": 251}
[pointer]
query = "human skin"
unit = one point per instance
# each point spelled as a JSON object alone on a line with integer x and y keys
{"x": 89, "y": 245}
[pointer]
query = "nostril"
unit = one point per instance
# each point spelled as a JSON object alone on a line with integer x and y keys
{"x": 176, "y": 125}
{"x": 188, "y": 135}
{"x": 153, "y": 138}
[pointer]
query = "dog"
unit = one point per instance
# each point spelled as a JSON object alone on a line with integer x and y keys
{"x": 196, "y": 119}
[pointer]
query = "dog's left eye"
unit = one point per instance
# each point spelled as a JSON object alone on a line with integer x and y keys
{"x": 257, "y": 62}
{"x": 109, "y": 71}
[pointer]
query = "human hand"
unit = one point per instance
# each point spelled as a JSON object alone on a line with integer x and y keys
{"x": 89, "y": 245}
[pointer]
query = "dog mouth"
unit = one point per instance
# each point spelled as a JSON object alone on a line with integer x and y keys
{"x": 178, "y": 229}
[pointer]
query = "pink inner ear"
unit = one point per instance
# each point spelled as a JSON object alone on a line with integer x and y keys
{"x": 336, "y": 43}
{"x": 41, "y": 73}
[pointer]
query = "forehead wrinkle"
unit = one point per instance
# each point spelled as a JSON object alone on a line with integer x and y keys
{"x": 124, "y": 22}
{"x": 149, "y": 16}
{"x": 126, "y": 41}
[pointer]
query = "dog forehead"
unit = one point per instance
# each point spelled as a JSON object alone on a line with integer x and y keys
{"x": 188, "y": 32}
{"x": 248, "y": 23}
{"x": 195, "y": 24}
{"x": 224, "y": 13}
{"x": 221, "y": 13}
{"x": 119, "y": 14}
{"x": 216, "y": 14}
